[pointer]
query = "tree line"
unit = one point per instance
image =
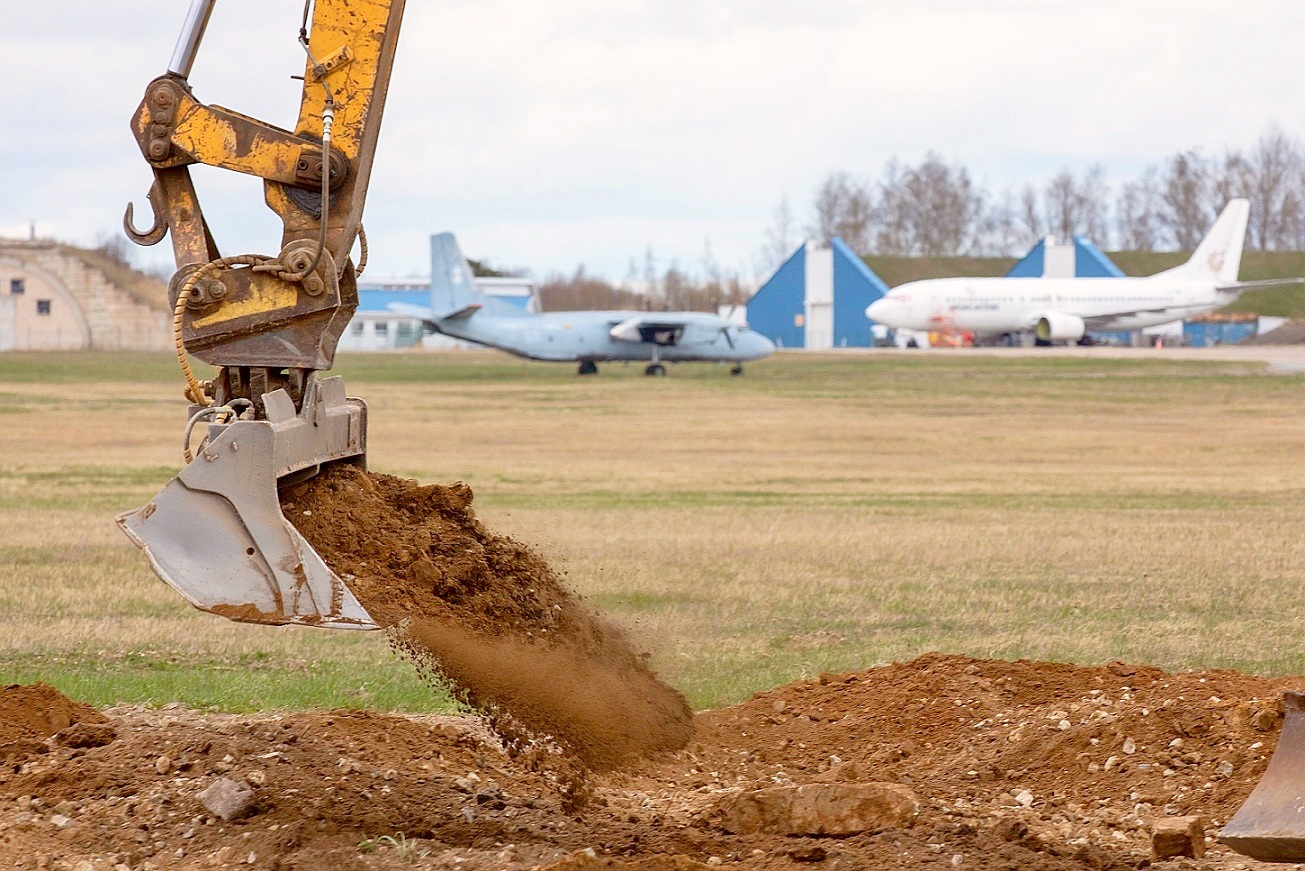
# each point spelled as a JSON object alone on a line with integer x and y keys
{"x": 936, "y": 208}
{"x": 668, "y": 289}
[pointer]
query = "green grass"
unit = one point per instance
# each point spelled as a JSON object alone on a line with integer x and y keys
{"x": 821, "y": 513}
{"x": 251, "y": 683}
{"x": 75, "y": 367}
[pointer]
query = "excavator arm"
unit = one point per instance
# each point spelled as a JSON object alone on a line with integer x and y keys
{"x": 288, "y": 310}
{"x": 269, "y": 323}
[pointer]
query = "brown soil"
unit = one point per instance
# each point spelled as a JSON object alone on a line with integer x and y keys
{"x": 1016, "y": 765}
{"x": 31, "y": 714}
{"x": 486, "y": 615}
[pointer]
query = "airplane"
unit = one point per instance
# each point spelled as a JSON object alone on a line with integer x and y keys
{"x": 459, "y": 310}
{"x": 1065, "y": 309}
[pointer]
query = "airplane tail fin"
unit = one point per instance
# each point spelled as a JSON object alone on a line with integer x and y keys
{"x": 1219, "y": 256}
{"x": 452, "y": 290}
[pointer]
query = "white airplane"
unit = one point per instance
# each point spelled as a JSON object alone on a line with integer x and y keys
{"x": 1064, "y": 309}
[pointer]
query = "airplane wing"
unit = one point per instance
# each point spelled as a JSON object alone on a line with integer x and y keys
{"x": 1243, "y": 286}
{"x": 427, "y": 314}
{"x": 420, "y": 312}
{"x": 640, "y": 330}
{"x": 1097, "y": 322}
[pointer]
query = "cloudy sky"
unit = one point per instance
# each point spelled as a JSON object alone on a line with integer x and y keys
{"x": 588, "y": 131}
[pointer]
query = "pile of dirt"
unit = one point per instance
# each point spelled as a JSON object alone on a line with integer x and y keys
{"x": 31, "y": 715}
{"x": 487, "y": 615}
{"x": 1000, "y": 765}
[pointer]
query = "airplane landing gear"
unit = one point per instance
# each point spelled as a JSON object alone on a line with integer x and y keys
{"x": 655, "y": 368}
{"x": 736, "y": 369}
{"x": 587, "y": 367}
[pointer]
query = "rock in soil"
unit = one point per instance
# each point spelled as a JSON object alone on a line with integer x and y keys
{"x": 1178, "y": 836}
{"x": 818, "y": 809}
{"x": 227, "y": 799}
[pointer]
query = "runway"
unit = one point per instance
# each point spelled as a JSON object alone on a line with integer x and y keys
{"x": 1280, "y": 358}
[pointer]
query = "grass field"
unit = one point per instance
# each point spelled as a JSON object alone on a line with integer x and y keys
{"x": 821, "y": 513}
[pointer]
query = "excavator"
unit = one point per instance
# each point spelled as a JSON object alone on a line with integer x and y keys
{"x": 267, "y": 323}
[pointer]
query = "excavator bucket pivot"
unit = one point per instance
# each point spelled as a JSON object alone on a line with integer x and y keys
{"x": 216, "y": 532}
{"x": 1270, "y": 826}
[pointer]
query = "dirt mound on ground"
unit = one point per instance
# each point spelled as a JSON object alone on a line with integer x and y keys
{"x": 1019, "y": 765}
{"x": 31, "y": 714}
{"x": 487, "y": 615}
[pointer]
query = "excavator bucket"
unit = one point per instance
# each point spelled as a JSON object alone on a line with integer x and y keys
{"x": 1270, "y": 826}
{"x": 216, "y": 533}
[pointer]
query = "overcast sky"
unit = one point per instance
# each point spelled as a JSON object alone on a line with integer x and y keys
{"x": 586, "y": 131}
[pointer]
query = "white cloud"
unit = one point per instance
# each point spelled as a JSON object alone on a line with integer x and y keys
{"x": 550, "y": 134}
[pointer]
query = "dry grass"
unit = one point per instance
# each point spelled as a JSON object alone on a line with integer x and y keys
{"x": 819, "y": 514}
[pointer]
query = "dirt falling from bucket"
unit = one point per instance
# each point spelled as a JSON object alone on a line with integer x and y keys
{"x": 486, "y": 615}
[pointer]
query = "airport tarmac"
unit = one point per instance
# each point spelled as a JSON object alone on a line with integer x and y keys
{"x": 1280, "y": 358}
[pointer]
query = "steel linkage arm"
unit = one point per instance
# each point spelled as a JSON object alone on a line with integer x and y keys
{"x": 287, "y": 310}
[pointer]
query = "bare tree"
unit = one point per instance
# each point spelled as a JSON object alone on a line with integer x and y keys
{"x": 1272, "y": 165}
{"x": 999, "y": 231}
{"x": 1185, "y": 191}
{"x": 1293, "y": 214}
{"x": 948, "y": 207}
{"x": 844, "y": 209}
{"x": 582, "y": 291}
{"x": 1030, "y": 213}
{"x": 780, "y": 238}
{"x": 894, "y": 219}
{"x": 679, "y": 291}
{"x": 1061, "y": 208}
{"x": 933, "y": 209}
{"x": 710, "y": 268}
{"x": 1229, "y": 179}
{"x": 1138, "y": 212}
{"x": 1094, "y": 204}
{"x": 650, "y": 288}
{"x": 1075, "y": 205}
{"x": 675, "y": 288}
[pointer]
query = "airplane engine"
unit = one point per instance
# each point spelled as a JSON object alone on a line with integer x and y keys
{"x": 1058, "y": 326}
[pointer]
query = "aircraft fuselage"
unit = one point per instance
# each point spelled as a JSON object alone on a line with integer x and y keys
{"x": 992, "y": 306}
{"x": 582, "y": 335}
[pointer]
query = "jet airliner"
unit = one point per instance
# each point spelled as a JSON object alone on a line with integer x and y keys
{"x": 459, "y": 310}
{"x": 1065, "y": 309}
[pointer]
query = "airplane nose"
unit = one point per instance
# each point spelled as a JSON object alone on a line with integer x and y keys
{"x": 752, "y": 346}
{"x": 886, "y": 311}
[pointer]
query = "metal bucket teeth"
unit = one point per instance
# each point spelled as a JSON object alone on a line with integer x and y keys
{"x": 1270, "y": 826}
{"x": 216, "y": 533}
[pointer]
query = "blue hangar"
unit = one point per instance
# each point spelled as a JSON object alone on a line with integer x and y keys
{"x": 817, "y": 299}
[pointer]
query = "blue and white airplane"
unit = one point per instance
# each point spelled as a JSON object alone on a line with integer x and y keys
{"x": 459, "y": 310}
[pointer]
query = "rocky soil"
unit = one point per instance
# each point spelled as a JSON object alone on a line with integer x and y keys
{"x": 943, "y": 762}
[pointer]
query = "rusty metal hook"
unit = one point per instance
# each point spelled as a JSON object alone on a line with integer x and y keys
{"x": 154, "y": 234}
